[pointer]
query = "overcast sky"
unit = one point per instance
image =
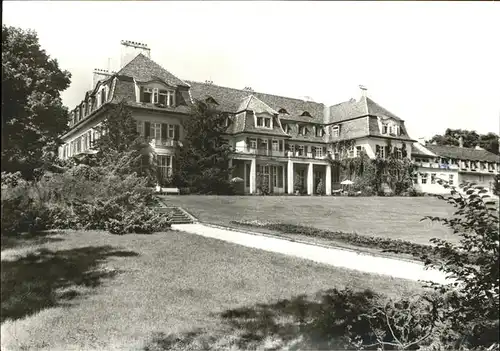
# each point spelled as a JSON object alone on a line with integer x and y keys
{"x": 436, "y": 65}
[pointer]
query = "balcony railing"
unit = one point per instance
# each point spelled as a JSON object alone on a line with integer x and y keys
{"x": 306, "y": 154}
{"x": 259, "y": 151}
{"x": 267, "y": 152}
{"x": 162, "y": 142}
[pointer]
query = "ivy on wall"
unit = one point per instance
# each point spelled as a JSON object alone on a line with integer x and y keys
{"x": 370, "y": 175}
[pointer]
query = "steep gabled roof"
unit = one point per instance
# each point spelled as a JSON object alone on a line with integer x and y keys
{"x": 463, "y": 153}
{"x": 251, "y": 103}
{"x": 229, "y": 101}
{"x": 144, "y": 69}
{"x": 358, "y": 108}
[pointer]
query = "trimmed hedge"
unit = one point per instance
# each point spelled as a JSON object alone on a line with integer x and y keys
{"x": 386, "y": 245}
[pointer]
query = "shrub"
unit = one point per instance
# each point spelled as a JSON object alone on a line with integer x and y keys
{"x": 320, "y": 189}
{"x": 82, "y": 198}
{"x": 297, "y": 186}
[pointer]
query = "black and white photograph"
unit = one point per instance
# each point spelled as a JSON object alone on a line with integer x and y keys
{"x": 250, "y": 175}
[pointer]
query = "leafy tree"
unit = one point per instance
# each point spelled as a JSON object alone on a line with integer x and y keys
{"x": 120, "y": 148}
{"x": 33, "y": 116}
{"x": 202, "y": 162}
{"x": 470, "y": 139}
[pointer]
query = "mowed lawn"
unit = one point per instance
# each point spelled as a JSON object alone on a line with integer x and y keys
{"x": 390, "y": 217}
{"x": 97, "y": 291}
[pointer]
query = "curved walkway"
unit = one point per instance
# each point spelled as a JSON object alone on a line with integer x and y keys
{"x": 331, "y": 256}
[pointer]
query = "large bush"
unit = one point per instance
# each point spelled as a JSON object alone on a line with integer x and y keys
{"x": 83, "y": 197}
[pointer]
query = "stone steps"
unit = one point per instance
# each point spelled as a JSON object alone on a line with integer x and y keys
{"x": 177, "y": 215}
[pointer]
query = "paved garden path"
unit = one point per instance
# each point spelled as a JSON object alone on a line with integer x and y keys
{"x": 331, "y": 256}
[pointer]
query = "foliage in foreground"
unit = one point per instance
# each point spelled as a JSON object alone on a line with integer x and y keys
{"x": 473, "y": 297}
{"x": 462, "y": 314}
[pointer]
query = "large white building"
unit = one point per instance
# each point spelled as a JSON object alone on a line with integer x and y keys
{"x": 283, "y": 141}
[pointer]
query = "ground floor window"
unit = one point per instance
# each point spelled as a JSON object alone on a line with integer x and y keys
{"x": 165, "y": 167}
{"x": 277, "y": 176}
{"x": 433, "y": 178}
{"x": 247, "y": 178}
{"x": 424, "y": 178}
{"x": 451, "y": 179}
{"x": 415, "y": 178}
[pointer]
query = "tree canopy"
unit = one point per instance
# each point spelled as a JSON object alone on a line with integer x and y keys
{"x": 33, "y": 116}
{"x": 470, "y": 139}
{"x": 203, "y": 159}
{"x": 120, "y": 146}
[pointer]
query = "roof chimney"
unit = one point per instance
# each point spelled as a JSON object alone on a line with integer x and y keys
{"x": 363, "y": 90}
{"x": 130, "y": 49}
{"x": 100, "y": 74}
{"x": 461, "y": 141}
{"x": 248, "y": 89}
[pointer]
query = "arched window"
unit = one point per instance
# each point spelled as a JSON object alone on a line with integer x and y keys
{"x": 283, "y": 111}
{"x": 306, "y": 114}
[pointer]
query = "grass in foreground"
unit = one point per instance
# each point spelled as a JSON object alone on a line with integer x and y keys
{"x": 164, "y": 284}
{"x": 385, "y": 217}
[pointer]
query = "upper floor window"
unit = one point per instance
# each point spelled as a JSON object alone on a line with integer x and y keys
{"x": 283, "y": 111}
{"x": 306, "y": 114}
{"x": 264, "y": 122}
{"x": 319, "y": 131}
{"x": 335, "y": 131}
{"x": 399, "y": 154}
{"x": 103, "y": 96}
{"x": 390, "y": 128}
{"x": 166, "y": 97}
{"x": 157, "y": 96}
{"x": 359, "y": 150}
{"x": 302, "y": 130}
{"x": 275, "y": 145}
{"x": 302, "y": 150}
{"x": 253, "y": 144}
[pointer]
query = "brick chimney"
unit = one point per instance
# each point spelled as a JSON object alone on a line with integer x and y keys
{"x": 130, "y": 49}
{"x": 363, "y": 91}
{"x": 100, "y": 74}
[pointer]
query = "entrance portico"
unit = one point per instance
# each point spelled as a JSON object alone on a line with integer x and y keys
{"x": 280, "y": 175}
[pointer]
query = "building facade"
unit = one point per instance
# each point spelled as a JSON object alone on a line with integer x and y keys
{"x": 454, "y": 164}
{"x": 282, "y": 142}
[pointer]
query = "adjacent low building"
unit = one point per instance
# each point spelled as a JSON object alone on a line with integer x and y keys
{"x": 454, "y": 164}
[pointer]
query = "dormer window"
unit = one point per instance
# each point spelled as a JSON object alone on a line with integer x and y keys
{"x": 335, "y": 131}
{"x": 103, "y": 96}
{"x": 305, "y": 114}
{"x": 166, "y": 97}
{"x": 158, "y": 96}
{"x": 211, "y": 100}
{"x": 283, "y": 111}
{"x": 147, "y": 95}
{"x": 264, "y": 122}
{"x": 384, "y": 129}
{"x": 302, "y": 130}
